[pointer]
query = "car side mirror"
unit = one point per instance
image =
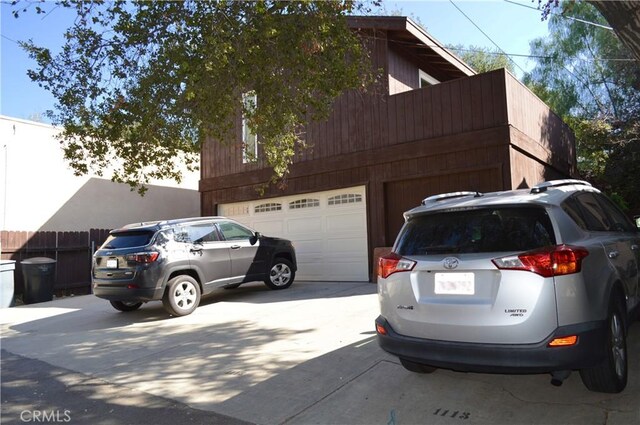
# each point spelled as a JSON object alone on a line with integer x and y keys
{"x": 254, "y": 238}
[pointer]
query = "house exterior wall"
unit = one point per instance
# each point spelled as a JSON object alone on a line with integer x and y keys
{"x": 38, "y": 191}
{"x": 403, "y": 73}
{"x": 484, "y": 132}
{"x": 459, "y": 135}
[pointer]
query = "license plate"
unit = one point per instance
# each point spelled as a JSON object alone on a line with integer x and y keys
{"x": 112, "y": 263}
{"x": 454, "y": 284}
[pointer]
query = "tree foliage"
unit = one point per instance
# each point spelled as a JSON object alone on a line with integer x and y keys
{"x": 592, "y": 80}
{"x": 623, "y": 16}
{"x": 141, "y": 85}
{"x": 483, "y": 59}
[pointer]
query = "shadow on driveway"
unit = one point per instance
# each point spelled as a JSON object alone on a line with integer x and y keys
{"x": 35, "y": 391}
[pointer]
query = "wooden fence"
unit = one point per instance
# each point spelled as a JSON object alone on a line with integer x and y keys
{"x": 71, "y": 250}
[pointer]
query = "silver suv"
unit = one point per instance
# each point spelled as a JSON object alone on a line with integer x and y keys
{"x": 523, "y": 281}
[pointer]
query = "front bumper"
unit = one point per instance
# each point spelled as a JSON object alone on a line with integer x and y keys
{"x": 501, "y": 358}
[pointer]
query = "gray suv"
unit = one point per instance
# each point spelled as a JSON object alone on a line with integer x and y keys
{"x": 178, "y": 261}
{"x": 541, "y": 280}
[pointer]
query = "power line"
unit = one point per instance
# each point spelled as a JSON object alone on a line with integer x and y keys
{"x": 562, "y": 15}
{"x": 486, "y": 35}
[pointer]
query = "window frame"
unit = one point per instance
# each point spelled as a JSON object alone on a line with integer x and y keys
{"x": 249, "y": 137}
{"x": 303, "y": 203}
{"x": 233, "y": 223}
{"x": 427, "y": 78}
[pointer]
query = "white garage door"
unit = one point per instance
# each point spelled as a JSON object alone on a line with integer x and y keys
{"x": 328, "y": 229}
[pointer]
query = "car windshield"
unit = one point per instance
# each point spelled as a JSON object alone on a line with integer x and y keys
{"x": 128, "y": 239}
{"x": 496, "y": 229}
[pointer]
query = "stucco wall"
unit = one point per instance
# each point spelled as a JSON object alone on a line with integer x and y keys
{"x": 38, "y": 190}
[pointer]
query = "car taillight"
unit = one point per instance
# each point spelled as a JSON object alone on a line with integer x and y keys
{"x": 547, "y": 262}
{"x": 143, "y": 257}
{"x": 394, "y": 263}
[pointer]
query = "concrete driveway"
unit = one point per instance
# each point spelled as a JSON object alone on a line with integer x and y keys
{"x": 306, "y": 355}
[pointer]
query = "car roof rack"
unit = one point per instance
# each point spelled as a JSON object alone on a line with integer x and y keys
{"x": 451, "y": 195}
{"x": 542, "y": 187}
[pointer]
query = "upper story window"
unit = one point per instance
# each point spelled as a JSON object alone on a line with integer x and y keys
{"x": 426, "y": 80}
{"x": 346, "y": 198}
{"x": 249, "y": 137}
{"x": 304, "y": 203}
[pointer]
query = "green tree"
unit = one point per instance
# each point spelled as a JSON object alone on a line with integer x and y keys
{"x": 483, "y": 59}
{"x": 591, "y": 79}
{"x": 623, "y": 16}
{"x": 140, "y": 85}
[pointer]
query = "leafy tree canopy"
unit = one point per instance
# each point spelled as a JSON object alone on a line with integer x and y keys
{"x": 140, "y": 85}
{"x": 592, "y": 80}
{"x": 483, "y": 59}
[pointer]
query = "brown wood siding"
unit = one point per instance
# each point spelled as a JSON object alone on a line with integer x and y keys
{"x": 444, "y": 109}
{"x": 403, "y": 72}
{"x": 400, "y": 196}
{"x": 466, "y": 161}
{"x": 539, "y": 130}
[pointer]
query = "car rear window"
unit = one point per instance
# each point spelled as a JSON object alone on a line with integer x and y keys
{"x": 128, "y": 239}
{"x": 475, "y": 231}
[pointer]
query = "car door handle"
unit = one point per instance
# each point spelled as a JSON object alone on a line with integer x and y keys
{"x": 196, "y": 249}
{"x": 235, "y": 247}
{"x": 613, "y": 254}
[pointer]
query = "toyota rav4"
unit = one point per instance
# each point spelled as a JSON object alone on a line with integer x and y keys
{"x": 541, "y": 280}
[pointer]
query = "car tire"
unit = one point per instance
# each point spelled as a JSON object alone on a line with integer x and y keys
{"x": 182, "y": 295}
{"x": 125, "y": 305}
{"x": 416, "y": 367}
{"x": 610, "y": 376}
{"x": 281, "y": 274}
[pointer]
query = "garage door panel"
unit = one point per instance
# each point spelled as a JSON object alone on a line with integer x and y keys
{"x": 343, "y": 245}
{"x": 270, "y": 228}
{"x": 345, "y": 222}
{"x": 304, "y": 225}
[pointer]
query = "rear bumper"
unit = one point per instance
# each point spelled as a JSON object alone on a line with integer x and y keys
{"x": 501, "y": 358}
{"x": 137, "y": 289}
{"x": 123, "y": 293}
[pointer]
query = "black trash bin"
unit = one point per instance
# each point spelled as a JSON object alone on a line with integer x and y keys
{"x": 39, "y": 275}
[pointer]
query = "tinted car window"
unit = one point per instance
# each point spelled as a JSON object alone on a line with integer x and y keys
{"x": 572, "y": 208}
{"x": 128, "y": 239}
{"x": 202, "y": 233}
{"x": 233, "y": 231}
{"x": 619, "y": 221}
{"x": 594, "y": 216}
{"x": 475, "y": 231}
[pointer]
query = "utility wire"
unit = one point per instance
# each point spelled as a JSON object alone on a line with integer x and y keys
{"x": 562, "y": 15}
{"x": 490, "y": 39}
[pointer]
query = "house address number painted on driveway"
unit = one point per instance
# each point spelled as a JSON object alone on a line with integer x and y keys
{"x": 452, "y": 414}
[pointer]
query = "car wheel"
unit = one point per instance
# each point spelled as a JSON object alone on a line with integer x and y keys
{"x": 182, "y": 296}
{"x": 126, "y": 305}
{"x": 416, "y": 367}
{"x": 610, "y": 376}
{"x": 281, "y": 274}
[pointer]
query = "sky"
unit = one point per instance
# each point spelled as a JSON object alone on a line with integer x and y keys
{"x": 510, "y": 26}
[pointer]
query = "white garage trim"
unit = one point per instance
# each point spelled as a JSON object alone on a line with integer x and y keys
{"x": 328, "y": 229}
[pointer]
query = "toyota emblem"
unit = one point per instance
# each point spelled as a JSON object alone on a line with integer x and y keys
{"x": 450, "y": 263}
